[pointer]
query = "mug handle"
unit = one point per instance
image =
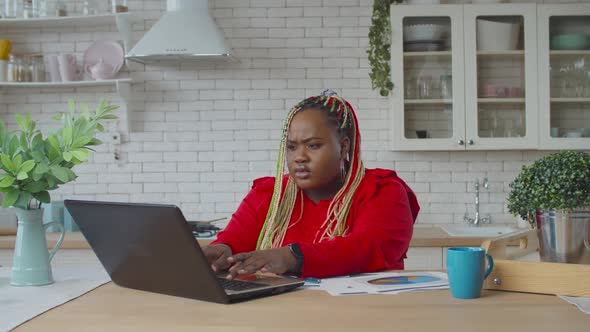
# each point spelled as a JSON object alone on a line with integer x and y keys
{"x": 587, "y": 236}
{"x": 61, "y": 237}
{"x": 490, "y": 266}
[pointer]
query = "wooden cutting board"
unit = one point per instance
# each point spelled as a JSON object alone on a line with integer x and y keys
{"x": 532, "y": 277}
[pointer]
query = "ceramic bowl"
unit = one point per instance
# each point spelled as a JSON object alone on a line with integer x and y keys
{"x": 423, "y": 32}
{"x": 574, "y": 41}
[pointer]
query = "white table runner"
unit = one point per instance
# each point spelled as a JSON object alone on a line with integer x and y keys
{"x": 583, "y": 303}
{"x": 20, "y": 304}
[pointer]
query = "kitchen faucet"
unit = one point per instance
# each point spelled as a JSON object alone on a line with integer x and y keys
{"x": 478, "y": 220}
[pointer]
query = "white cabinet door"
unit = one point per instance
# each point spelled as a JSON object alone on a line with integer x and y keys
{"x": 501, "y": 76}
{"x": 424, "y": 258}
{"x": 427, "y": 101}
{"x": 564, "y": 76}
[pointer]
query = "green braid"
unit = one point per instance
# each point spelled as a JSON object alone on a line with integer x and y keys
{"x": 280, "y": 210}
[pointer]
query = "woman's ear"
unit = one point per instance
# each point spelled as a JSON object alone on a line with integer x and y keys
{"x": 344, "y": 148}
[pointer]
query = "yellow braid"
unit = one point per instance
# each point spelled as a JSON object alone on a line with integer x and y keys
{"x": 280, "y": 210}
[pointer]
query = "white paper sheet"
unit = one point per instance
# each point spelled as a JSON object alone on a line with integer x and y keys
{"x": 384, "y": 283}
{"x": 20, "y": 304}
{"x": 583, "y": 303}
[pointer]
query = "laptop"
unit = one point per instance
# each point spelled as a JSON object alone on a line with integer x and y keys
{"x": 151, "y": 247}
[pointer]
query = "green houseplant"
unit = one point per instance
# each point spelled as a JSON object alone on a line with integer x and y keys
{"x": 380, "y": 46}
{"x": 559, "y": 181}
{"x": 30, "y": 167}
{"x": 553, "y": 195}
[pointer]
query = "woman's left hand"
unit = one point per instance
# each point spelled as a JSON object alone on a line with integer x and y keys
{"x": 277, "y": 260}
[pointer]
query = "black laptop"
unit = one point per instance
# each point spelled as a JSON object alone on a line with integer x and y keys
{"x": 151, "y": 247}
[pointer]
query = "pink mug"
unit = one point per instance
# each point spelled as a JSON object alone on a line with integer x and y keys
{"x": 515, "y": 92}
{"x": 68, "y": 67}
{"x": 488, "y": 90}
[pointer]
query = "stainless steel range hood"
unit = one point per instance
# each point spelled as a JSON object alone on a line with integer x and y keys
{"x": 186, "y": 32}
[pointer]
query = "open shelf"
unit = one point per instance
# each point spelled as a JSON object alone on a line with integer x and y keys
{"x": 570, "y": 52}
{"x": 571, "y": 100}
{"x": 72, "y": 84}
{"x": 500, "y": 100}
{"x": 500, "y": 53}
{"x": 123, "y": 86}
{"x": 427, "y": 101}
{"x": 427, "y": 54}
{"x": 41, "y": 22}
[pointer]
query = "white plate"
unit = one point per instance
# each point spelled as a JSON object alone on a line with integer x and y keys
{"x": 110, "y": 51}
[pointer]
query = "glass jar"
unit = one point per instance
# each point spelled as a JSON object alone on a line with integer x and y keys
{"x": 40, "y": 8}
{"x": 28, "y": 9}
{"x": 423, "y": 87}
{"x": 119, "y": 6}
{"x": 37, "y": 68}
{"x": 11, "y": 9}
{"x": 446, "y": 86}
{"x": 60, "y": 9}
{"x": 11, "y": 69}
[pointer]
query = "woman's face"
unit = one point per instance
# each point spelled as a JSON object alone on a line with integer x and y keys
{"x": 314, "y": 151}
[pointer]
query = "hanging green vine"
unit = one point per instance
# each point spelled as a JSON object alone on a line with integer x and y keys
{"x": 380, "y": 47}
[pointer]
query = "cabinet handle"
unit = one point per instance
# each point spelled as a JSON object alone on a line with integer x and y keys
{"x": 461, "y": 142}
{"x": 470, "y": 142}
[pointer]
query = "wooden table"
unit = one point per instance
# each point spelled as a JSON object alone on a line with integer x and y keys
{"x": 112, "y": 308}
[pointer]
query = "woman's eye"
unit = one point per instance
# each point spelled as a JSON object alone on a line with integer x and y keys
{"x": 314, "y": 146}
{"x": 291, "y": 147}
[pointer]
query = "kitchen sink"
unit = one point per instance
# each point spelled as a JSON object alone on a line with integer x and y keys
{"x": 477, "y": 231}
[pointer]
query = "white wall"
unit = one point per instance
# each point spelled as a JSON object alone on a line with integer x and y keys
{"x": 202, "y": 133}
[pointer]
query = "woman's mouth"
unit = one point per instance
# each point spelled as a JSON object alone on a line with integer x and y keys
{"x": 302, "y": 173}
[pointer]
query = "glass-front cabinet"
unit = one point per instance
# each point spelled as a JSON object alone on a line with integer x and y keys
{"x": 564, "y": 76}
{"x": 427, "y": 73}
{"x": 465, "y": 77}
{"x": 501, "y": 76}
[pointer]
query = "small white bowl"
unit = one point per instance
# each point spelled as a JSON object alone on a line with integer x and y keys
{"x": 423, "y": 32}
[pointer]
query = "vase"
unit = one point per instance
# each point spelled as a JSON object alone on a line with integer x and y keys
{"x": 564, "y": 235}
{"x": 31, "y": 261}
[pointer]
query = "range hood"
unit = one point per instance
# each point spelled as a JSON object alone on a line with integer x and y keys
{"x": 185, "y": 32}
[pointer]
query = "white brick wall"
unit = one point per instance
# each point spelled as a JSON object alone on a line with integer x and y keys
{"x": 202, "y": 133}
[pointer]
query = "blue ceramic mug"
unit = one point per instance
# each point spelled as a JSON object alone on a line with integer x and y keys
{"x": 467, "y": 271}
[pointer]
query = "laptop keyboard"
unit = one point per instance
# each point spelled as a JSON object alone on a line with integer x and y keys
{"x": 237, "y": 285}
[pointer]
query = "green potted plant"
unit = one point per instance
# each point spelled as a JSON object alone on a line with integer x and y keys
{"x": 380, "y": 46}
{"x": 553, "y": 195}
{"x": 30, "y": 167}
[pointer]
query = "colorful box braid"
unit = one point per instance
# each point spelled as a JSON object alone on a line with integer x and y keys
{"x": 281, "y": 208}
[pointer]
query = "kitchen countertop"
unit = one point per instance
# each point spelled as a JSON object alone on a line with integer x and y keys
{"x": 424, "y": 236}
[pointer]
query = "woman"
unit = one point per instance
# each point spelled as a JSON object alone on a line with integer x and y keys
{"x": 329, "y": 215}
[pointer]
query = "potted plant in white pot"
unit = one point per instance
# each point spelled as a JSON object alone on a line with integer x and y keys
{"x": 30, "y": 167}
{"x": 553, "y": 195}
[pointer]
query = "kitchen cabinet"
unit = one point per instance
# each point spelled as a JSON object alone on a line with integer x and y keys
{"x": 564, "y": 76}
{"x": 122, "y": 85}
{"x": 458, "y": 84}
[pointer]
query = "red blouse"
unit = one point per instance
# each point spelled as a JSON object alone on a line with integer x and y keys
{"x": 380, "y": 224}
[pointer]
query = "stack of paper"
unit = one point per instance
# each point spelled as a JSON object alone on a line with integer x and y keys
{"x": 381, "y": 283}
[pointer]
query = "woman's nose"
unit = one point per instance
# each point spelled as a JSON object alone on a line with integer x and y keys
{"x": 300, "y": 155}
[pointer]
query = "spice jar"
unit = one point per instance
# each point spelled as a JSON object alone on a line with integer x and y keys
{"x": 60, "y": 9}
{"x": 119, "y": 6}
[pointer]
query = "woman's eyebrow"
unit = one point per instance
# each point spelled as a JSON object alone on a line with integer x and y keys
{"x": 305, "y": 140}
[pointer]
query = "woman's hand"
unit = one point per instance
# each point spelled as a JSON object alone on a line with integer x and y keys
{"x": 277, "y": 260}
{"x": 217, "y": 256}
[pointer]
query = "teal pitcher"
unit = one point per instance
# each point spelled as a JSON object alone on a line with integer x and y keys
{"x": 31, "y": 259}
